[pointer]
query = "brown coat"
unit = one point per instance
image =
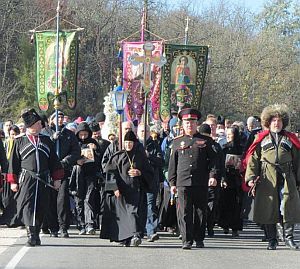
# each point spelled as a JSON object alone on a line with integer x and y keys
{"x": 261, "y": 163}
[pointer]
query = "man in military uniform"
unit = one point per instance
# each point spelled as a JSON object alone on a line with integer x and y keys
{"x": 191, "y": 171}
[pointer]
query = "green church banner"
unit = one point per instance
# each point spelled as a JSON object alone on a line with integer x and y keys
{"x": 183, "y": 78}
{"x": 46, "y": 67}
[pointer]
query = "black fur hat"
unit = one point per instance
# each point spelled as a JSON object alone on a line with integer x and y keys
{"x": 30, "y": 117}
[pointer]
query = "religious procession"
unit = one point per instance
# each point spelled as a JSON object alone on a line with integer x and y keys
{"x": 150, "y": 159}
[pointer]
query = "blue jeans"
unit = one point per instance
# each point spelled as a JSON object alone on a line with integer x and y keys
{"x": 152, "y": 218}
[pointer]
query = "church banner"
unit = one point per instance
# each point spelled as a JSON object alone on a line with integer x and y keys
{"x": 133, "y": 81}
{"x": 183, "y": 78}
{"x": 46, "y": 67}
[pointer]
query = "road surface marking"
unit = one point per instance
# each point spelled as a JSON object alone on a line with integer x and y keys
{"x": 16, "y": 259}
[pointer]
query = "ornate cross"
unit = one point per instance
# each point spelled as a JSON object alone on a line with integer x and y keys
{"x": 147, "y": 60}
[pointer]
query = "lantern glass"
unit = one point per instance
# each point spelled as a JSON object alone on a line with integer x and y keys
{"x": 119, "y": 98}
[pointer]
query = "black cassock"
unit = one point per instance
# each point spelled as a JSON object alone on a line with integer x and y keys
{"x": 121, "y": 218}
{"x": 230, "y": 203}
{"x": 6, "y": 193}
{"x": 32, "y": 158}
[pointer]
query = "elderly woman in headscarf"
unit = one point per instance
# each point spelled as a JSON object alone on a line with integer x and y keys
{"x": 231, "y": 192}
{"x": 273, "y": 161}
{"x": 127, "y": 171}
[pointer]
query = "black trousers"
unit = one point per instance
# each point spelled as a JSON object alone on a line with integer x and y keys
{"x": 85, "y": 203}
{"x": 142, "y": 213}
{"x": 59, "y": 213}
{"x": 192, "y": 212}
{"x": 212, "y": 205}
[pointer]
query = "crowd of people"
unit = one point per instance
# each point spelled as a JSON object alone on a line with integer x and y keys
{"x": 187, "y": 177}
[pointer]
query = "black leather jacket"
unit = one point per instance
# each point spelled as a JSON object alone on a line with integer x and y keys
{"x": 69, "y": 149}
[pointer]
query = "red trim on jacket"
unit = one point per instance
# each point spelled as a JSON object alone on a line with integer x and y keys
{"x": 12, "y": 178}
{"x": 58, "y": 174}
{"x": 294, "y": 139}
{"x": 251, "y": 149}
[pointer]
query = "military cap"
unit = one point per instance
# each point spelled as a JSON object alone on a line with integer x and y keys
{"x": 189, "y": 114}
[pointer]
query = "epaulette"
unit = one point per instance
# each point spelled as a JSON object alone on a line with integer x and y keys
{"x": 178, "y": 136}
{"x": 286, "y": 143}
{"x": 265, "y": 141}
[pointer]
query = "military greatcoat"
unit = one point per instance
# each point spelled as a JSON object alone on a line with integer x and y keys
{"x": 262, "y": 163}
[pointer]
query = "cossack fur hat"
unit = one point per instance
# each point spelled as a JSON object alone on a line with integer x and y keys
{"x": 277, "y": 110}
{"x": 30, "y": 117}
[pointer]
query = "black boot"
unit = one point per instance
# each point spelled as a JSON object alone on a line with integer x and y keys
{"x": 271, "y": 235}
{"x": 31, "y": 242}
{"x": 289, "y": 236}
{"x": 37, "y": 236}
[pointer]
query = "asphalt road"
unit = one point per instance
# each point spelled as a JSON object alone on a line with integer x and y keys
{"x": 222, "y": 251}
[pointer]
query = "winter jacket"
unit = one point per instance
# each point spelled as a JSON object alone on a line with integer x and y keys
{"x": 273, "y": 172}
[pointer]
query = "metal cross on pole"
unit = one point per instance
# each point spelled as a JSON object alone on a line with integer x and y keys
{"x": 186, "y": 31}
{"x": 147, "y": 60}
